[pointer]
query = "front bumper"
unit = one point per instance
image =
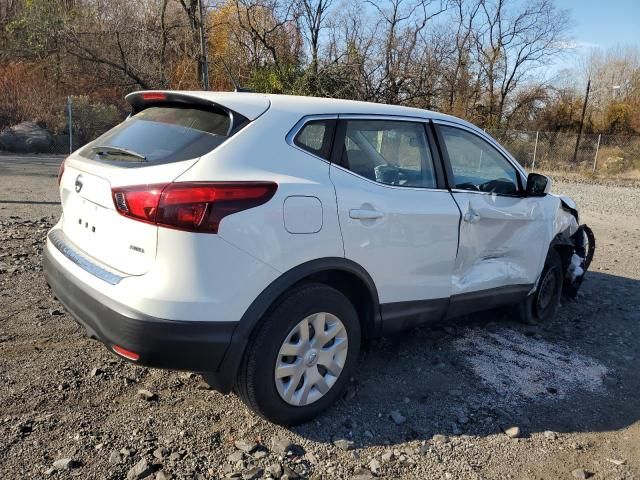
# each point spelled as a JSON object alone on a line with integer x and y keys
{"x": 195, "y": 346}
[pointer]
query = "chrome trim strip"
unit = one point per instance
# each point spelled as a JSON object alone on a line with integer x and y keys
{"x": 66, "y": 248}
{"x": 387, "y": 117}
{"x": 480, "y": 192}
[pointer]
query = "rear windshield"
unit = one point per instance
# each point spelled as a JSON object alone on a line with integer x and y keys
{"x": 159, "y": 135}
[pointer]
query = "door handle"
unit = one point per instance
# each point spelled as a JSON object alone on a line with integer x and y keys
{"x": 361, "y": 214}
{"x": 471, "y": 216}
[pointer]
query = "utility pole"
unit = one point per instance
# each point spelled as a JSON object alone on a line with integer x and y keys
{"x": 70, "y": 116}
{"x": 584, "y": 111}
{"x": 204, "y": 63}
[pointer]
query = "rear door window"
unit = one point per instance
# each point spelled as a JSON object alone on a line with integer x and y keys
{"x": 390, "y": 152}
{"x": 162, "y": 134}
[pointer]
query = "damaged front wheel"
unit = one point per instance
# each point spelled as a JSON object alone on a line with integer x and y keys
{"x": 543, "y": 303}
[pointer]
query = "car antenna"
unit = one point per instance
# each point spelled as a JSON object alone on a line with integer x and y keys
{"x": 236, "y": 87}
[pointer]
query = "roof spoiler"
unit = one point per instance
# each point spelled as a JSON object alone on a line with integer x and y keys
{"x": 153, "y": 98}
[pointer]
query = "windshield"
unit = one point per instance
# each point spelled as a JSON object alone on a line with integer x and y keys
{"x": 161, "y": 135}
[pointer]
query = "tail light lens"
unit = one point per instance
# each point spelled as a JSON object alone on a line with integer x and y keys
{"x": 154, "y": 96}
{"x": 61, "y": 171}
{"x": 190, "y": 206}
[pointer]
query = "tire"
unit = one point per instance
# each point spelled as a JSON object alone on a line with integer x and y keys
{"x": 282, "y": 330}
{"x": 543, "y": 304}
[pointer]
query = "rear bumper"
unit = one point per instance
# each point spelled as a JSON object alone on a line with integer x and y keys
{"x": 179, "y": 345}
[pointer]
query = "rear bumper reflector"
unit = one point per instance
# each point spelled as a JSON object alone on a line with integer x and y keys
{"x": 123, "y": 352}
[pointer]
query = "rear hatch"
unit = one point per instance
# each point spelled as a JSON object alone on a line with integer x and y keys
{"x": 165, "y": 135}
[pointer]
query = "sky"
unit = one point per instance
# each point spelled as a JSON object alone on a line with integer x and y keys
{"x": 598, "y": 24}
{"x": 603, "y": 23}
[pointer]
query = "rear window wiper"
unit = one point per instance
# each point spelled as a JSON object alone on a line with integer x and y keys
{"x": 112, "y": 150}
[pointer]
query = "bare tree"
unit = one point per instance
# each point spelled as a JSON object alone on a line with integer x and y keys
{"x": 313, "y": 16}
{"x": 513, "y": 40}
{"x": 269, "y": 25}
{"x": 465, "y": 13}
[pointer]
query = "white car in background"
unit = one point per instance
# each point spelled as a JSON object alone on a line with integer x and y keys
{"x": 261, "y": 239}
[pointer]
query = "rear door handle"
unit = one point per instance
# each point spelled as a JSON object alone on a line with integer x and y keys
{"x": 360, "y": 214}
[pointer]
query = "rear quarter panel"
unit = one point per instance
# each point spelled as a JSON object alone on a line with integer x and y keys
{"x": 260, "y": 152}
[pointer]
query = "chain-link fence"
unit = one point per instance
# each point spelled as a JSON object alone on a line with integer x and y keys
{"x": 608, "y": 154}
{"x": 76, "y": 121}
{"x": 81, "y": 119}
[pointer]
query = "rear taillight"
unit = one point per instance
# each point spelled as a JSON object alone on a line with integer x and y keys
{"x": 61, "y": 171}
{"x": 190, "y": 206}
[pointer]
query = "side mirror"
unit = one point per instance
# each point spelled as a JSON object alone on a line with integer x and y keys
{"x": 538, "y": 185}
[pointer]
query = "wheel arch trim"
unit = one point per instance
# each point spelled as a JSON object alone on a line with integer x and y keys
{"x": 224, "y": 378}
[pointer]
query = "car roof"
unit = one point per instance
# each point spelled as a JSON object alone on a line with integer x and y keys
{"x": 252, "y": 105}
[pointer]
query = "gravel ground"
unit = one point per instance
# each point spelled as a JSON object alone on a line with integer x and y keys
{"x": 482, "y": 397}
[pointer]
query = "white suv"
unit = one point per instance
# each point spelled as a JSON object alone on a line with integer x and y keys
{"x": 261, "y": 239}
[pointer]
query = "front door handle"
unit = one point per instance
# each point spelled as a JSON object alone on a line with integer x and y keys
{"x": 471, "y": 216}
{"x": 363, "y": 214}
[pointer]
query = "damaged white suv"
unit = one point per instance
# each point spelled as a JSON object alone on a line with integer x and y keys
{"x": 261, "y": 239}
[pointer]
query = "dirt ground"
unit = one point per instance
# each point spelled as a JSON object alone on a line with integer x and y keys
{"x": 432, "y": 403}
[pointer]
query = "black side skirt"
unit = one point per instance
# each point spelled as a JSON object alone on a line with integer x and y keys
{"x": 398, "y": 316}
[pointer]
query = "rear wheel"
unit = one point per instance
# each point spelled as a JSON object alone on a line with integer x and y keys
{"x": 301, "y": 357}
{"x": 543, "y": 304}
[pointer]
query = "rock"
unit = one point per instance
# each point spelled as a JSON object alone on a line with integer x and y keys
{"x": 245, "y": 445}
{"x": 462, "y": 419}
{"x": 512, "y": 432}
{"x": 235, "y": 457}
{"x": 259, "y": 454}
{"x": 160, "y": 453}
{"x": 95, "y": 372}
{"x": 252, "y": 473}
{"x": 350, "y": 393}
{"x": 139, "y": 470}
{"x": 438, "y": 438}
{"x": 616, "y": 462}
{"x": 162, "y": 476}
{"x": 26, "y": 137}
{"x": 275, "y": 470}
{"x": 387, "y": 456}
{"x": 115, "y": 458}
{"x": 375, "y": 466}
{"x": 581, "y": 473}
{"x": 549, "y": 435}
{"x": 362, "y": 474}
{"x": 344, "y": 444}
{"x": 311, "y": 458}
{"x": 65, "y": 464}
{"x": 146, "y": 395}
{"x": 175, "y": 456}
{"x": 281, "y": 445}
{"x": 397, "y": 417}
{"x": 127, "y": 452}
{"x": 289, "y": 474}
